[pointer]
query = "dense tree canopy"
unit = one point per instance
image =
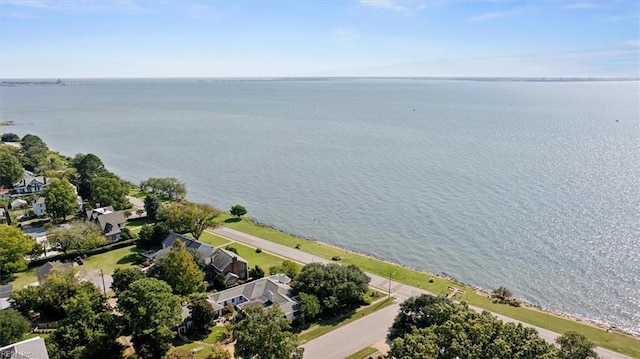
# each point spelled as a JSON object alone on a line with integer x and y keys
{"x": 10, "y": 137}
{"x": 151, "y": 205}
{"x": 189, "y": 217}
{"x": 89, "y": 330}
{"x": 80, "y": 236}
{"x": 109, "y": 191}
{"x": 123, "y": 277}
{"x": 169, "y": 187}
{"x": 150, "y": 311}
{"x": 151, "y": 235}
{"x": 10, "y": 169}
{"x": 180, "y": 271}
{"x": 12, "y": 326}
{"x": 34, "y": 152}
{"x": 444, "y": 329}
{"x": 88, "y": 167}
{"x": 14, "y": 246}
{"x": 337, "y": 287}
{"x": 202, "y": 313}
{"x": 308, "y": 306}
{"x": 575, "y": 346}
{"x": 288, "y": 267}
{"x": 60, "y": 198}
{"x": 264, "y": 334}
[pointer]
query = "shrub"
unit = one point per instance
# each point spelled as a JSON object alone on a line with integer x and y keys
{"x": 258, "y": 250}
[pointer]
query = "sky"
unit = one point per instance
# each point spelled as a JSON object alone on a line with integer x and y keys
{"x": 141, "y": 39}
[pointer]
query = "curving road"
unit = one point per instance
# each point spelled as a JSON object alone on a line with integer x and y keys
{"x": 346, "y": 340}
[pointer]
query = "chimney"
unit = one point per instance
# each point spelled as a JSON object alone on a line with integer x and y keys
{"x": 282, "y": 279}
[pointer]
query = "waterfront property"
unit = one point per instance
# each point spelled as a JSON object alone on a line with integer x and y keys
{"x": 111, "y": 222}
{"x": 265, "y": 292}
{"x": 30, "y": 184}
{"x": 231, "y": 265}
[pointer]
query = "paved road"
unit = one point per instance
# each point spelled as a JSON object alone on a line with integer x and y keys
{"x": 377, "y": 324}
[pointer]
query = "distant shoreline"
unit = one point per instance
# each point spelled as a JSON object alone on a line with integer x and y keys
{"x": 58, "y": 82}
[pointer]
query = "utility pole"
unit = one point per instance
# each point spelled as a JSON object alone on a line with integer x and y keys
{"x": 104, "y": 287}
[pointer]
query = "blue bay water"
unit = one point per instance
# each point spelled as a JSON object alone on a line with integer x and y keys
{"x": 531, "y": 185}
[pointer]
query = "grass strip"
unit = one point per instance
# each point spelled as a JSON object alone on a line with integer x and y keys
{"x": 362, "y": 353}
{"x": 617, "y": 342}
{"x": 334, "y": 323}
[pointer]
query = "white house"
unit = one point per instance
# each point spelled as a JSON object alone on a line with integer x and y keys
{"x": 30, "y": 184}
{"x": 39, "y": 207}
{"x": 18, "y": 203}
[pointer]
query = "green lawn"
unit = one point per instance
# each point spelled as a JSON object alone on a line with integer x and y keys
{"x": 325, "y": 327}
{"x": 614, "y": 341}
{"x": 109, "y": 261}
{"x": 363, "y": 353}
{"x": 264, "y": 260}
{"x": 213, "y": 239}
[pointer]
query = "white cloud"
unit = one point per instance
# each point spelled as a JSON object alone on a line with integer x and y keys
{"x": 633, "y": 43}
{"x": 401, "y": 6}
{"x": 490, "y": 15}
{"x": 346, "y": 34}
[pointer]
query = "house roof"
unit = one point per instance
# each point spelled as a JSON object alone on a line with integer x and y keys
{"x": 40, "y": 200}
{"x": 110, "y": 222}
{"x": 18, "y": 202}
{"x": 264, "y": 291}
{"x": 205, "y": 249}
{"x": 28, "y": 178}
{"x": 93, "y": 214}
{"x": 30, "y": 348}
{"x": 222, "y": 258}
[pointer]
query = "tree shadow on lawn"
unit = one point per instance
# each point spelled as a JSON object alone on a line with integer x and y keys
{"x": 232, "y": 220}
{"x": 324, "y": 321}
{"x": 129, "y": 258}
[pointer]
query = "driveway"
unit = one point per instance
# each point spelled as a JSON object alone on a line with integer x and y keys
{"x": 357, "y": 335}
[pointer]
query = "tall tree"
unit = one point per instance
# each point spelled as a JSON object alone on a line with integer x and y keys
{"x": 10, "y": 137}
{"x": 12, "y": 326}
{"x": 109, "y": 191}
{"x": 10, "y": 169}
{"x": 419, "y": 312}
{"x": 456, "y": 331}
{"x": 180, "y": 271}
{"x": 574, "y": 345}
{"x": 14, "y": 246}
{"x": 150, "y": 311}
{"x": 189, "y": 217}
{"x": 308, "y": 306}
{"x": 202, "y": 313}
{"x": 80, "y": 236}
{"x": 151, "y": 205}
{"x": 265, "y": 334}
{"x": 34, "y": 152}
{"x": 123, "y": 277}
{"x": 337, "y": 287}
{"x": 89, "y": 166}
{"x": 87, "y": 331}
{"x": 219, "y": 353}
{"x": 62, "y": 285}
{"x": 169, "y": 187}
{"x": 60, "y": 198}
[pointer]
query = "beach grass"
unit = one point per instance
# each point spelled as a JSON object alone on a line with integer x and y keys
{"x": 614, "y": 341}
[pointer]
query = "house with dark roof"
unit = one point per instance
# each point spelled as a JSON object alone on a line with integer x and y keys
{"x": 29, "y": 183}
{"x": 205, "y": 249}
{"x": 231, "y": 265}
{"x": 111, "y": 222}
{"x": 267, "y": 291}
